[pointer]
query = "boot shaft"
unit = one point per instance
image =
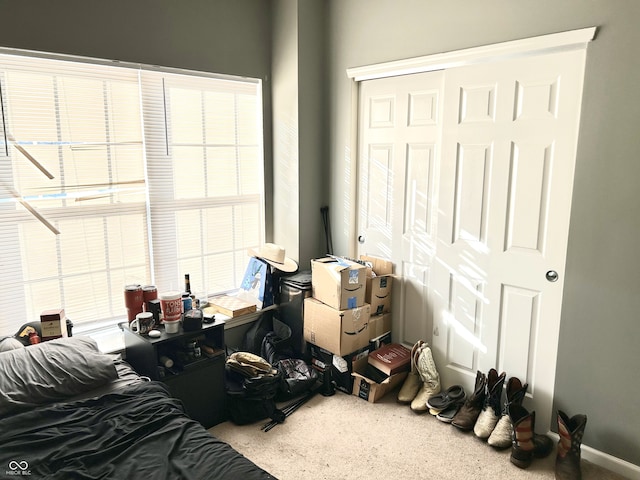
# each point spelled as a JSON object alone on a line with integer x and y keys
{"x": 570, "y": 431}
{"x": 495, "y": 383}
{"x": 523, "y": 427}
{"x": 526, "y": 444}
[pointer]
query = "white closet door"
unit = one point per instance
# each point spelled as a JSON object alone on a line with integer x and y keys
{"x": 465, "y": 183}
{"x": 505, "y": 187}
{"x": 399, "y": 135}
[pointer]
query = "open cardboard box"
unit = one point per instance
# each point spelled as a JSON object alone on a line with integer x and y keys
{"x": 338, "y": 282}
{"x": 370, "y": 390}
{"x": 378, "y": 286}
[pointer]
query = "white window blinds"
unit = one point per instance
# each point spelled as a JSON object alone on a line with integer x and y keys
{"x": 114, "y": 175}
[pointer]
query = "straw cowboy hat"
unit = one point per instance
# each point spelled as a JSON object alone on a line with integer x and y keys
{"x": 275, "y": 255}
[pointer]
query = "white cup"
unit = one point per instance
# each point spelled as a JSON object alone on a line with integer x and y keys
{"x": 171, "y": 305}
{"x": 172, "y": 326}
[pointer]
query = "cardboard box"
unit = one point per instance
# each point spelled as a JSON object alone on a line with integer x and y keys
{"x": 379, "y": 325}
{"x": 338, "y": 331}
{"x": 341, "y": 366}
{"x": 53, "y": 324}
{"x": 378, "y": 289}
{"x": 370, "y": 390}
{"x": 378, "y": 294}
{"x": 338, "y": 282}
{"x": 380, "y": 266}
{"x": 259, "y": 284}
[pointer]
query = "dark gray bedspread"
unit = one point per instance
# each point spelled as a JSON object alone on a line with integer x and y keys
{"x": 135, "y": 432}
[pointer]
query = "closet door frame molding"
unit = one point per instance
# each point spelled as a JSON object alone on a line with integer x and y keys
{"x": 543, "y": 44}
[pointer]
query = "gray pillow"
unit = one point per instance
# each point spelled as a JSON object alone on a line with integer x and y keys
{"x": 51, "y": 371}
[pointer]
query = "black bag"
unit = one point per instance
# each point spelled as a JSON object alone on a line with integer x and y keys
{"x": 297, "y": 377}
{"x": 252, "y": 341}
{"x": 251, "y": 386}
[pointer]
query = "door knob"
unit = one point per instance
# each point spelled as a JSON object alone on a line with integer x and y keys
{"x": 552, "y": 276}
{"x": 360, "y": 239}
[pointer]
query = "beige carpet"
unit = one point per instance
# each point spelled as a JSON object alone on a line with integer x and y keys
{"x": 344, "y": 437}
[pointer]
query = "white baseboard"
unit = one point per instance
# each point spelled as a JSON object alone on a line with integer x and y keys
{"x": 604, "y": 460}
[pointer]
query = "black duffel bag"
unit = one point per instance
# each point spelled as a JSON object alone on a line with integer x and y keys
{"x": 251, "y": 385}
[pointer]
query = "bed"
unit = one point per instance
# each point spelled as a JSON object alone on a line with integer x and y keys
{"x": 68, "y": 411}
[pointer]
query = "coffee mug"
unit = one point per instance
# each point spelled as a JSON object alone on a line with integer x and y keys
{"x": 171, "y": 306}
{"x": 143, "y": 323}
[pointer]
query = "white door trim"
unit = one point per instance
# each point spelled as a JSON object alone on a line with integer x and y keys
{"x": 551, "y": 43}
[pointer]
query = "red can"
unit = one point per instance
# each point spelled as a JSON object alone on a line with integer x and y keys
{"x": 133, "y": 301}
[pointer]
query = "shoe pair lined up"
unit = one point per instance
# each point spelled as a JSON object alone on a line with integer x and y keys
{"x": 502, "y": 425}
{"x": 423, "y": 379}
{"x": 483, "y": 411}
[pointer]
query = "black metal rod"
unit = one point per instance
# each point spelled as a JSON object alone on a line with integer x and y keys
{"x": 289, "y": 409}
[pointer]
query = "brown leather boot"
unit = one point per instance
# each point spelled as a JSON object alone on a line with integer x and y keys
{"x": 466, "y": 417}
{"x": 526, "y": 444}
{"x": 568, "y": 457}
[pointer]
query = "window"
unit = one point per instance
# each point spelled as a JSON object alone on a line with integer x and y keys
{"x": 113, "y": 175}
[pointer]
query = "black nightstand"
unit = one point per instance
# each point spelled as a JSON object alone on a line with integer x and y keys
{"x": 198, "y": 381}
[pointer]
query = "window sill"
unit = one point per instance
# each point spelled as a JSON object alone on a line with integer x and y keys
{"x": 110, "y": 337}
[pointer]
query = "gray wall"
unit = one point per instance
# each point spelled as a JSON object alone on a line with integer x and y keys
{"x": 600, "y": 330}
{"x": 299, "y": 146}
{"x": 221, "y": 36}
{"x": 600, "y": 326}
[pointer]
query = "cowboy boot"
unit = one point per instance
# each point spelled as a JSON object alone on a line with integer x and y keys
{"x": 413, "y": 382}
{"x": 492, "y": 409}
{"x": 466, "y": 417}
{"x": 526, "y": 443}
{"x": 568, "y": 456}
{"x": 430, "y": 377}
{"x": 501, "y": 435}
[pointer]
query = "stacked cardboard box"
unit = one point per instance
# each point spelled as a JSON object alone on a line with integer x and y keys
{"x": 339, "y": 320}
{"x": 336, "y": 316}
{"x": 378, "y": 295}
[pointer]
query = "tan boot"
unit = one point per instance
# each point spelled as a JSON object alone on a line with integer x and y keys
{"x": 430, "y": 377}
{"x": 413, "y": 382}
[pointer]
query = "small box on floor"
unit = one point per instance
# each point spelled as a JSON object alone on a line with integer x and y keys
{"x": 370, "y": 390}
{"x": 341, "y": 367}
{"x": 53, "y": 324}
